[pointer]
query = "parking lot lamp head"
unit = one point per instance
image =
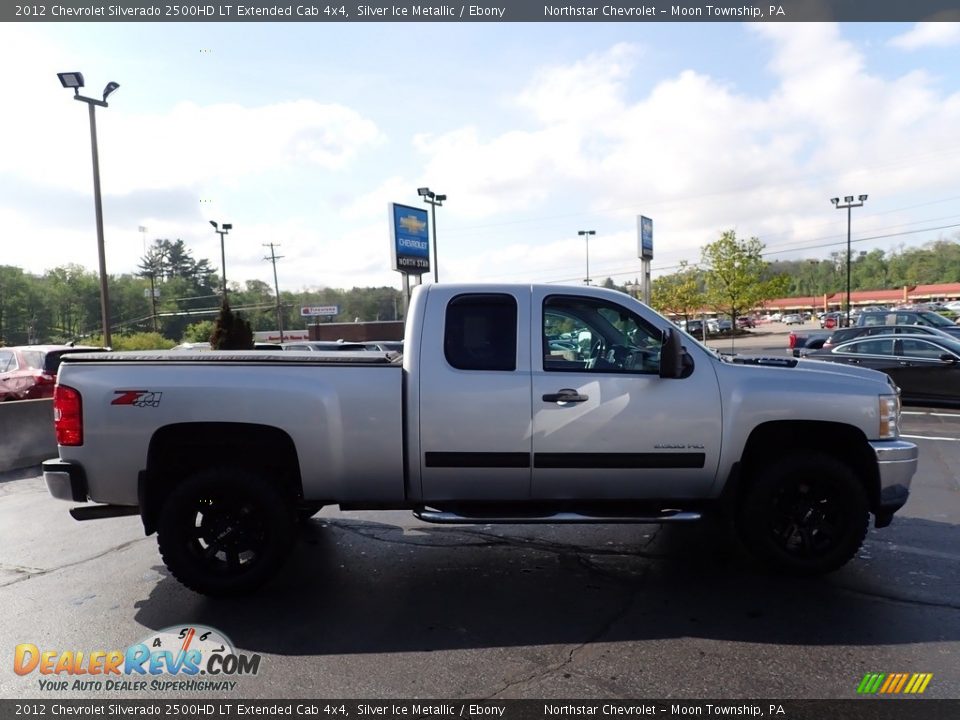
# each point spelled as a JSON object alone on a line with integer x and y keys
{"x": 110, "y": 87}
{"x": 71, "y": 80}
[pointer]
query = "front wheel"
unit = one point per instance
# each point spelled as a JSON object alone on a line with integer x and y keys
{"x": 804, "y": 514}
{"x": 225, "y": 532}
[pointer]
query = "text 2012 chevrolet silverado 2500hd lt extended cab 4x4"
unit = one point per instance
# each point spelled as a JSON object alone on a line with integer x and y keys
{"x": 511, "y": 404}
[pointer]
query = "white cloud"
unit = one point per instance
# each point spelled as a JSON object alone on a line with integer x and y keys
{"x": 701, "y": 155}
{"x": 192, "y": 145}
{"x": 928, "y": 34}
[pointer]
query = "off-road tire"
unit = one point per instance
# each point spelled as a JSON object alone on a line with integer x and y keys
{"x": 225, "y": 532}
{"x": 804, "y": 514}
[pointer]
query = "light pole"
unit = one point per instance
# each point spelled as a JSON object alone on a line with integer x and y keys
{"x": 227, "y": 227}
{"x": 434, "y": 200}
{"x": 586, "y": 236}
{"x": 74, "y": 80}
{"x": 848, "y": 203}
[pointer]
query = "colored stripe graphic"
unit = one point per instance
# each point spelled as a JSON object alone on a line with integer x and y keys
{"x": 888, "y": 683}
{"x": 871, "y": 683}
{"x": 894, "y": 683}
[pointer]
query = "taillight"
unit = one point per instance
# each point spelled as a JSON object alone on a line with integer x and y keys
{"x": 43, "y": 379}
{"x": 67, "y": 415}
{"x": 792, "y": 339}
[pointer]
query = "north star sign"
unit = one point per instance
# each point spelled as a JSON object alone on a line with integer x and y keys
{"x": 409, "y": 239}
{"x": 311, "y": 310}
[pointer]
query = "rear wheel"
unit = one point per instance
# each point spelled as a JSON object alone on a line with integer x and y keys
{"x": 225, "y": 532}
{"x": 805, "y": 514}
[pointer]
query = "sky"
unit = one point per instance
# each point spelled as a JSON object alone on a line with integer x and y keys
{"x": 301, "y": 134}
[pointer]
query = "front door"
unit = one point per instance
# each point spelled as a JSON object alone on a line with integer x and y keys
{"x": 605, "y": 424}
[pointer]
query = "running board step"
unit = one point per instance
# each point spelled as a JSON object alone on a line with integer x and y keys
{"x": 451, "y": 518}
{"x": 99, "y": 512}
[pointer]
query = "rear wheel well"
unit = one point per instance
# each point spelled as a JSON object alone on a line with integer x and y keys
{"x": 179, "y": 451}
{"x": 771, "y": 442}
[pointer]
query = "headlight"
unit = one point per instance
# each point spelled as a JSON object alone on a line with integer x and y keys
{"x": 889, "y": 417}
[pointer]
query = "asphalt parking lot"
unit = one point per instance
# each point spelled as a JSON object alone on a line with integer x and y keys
{"x": 380, "y": 605}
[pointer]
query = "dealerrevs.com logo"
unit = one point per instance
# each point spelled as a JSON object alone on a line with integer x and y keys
{"x": 177, "y": 658}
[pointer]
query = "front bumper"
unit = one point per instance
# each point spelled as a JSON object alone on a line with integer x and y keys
{"x": 897, "y": 462}
{"x": 65, "y": 481}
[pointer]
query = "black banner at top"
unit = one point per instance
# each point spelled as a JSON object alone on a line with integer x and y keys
{"x": 484, "y": 11}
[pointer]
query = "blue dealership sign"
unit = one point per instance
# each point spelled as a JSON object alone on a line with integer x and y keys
{"x": 409, "y": 239}
{"x": 646, "y": 237}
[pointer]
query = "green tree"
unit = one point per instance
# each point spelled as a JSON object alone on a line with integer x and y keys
{"x": 737, "y": 278}
{"x": 198, "y": 331}
{"x": 680, "y": 293}
{"x": 231, "y": 331}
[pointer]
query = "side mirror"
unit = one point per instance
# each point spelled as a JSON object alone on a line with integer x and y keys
{"x": 948, "y": 359}
{"x": 671, "y": 354}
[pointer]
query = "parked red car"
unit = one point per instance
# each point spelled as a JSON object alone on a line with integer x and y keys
{"x": 29, "y": 372}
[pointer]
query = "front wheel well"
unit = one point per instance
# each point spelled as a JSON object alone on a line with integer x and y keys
{"x": 771, "y": 442}
{"x": 178, "y": 451}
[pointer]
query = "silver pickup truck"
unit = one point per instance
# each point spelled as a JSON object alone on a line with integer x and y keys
{"x": 512, "y": 404}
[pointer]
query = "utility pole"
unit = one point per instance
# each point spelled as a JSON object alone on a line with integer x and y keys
{"x": 273, "y": 258}
{"x": 153, "y": 299}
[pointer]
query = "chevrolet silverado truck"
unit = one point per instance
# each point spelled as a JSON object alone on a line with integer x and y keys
{"x": 510, "y": 404}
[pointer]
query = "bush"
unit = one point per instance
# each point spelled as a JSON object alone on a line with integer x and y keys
{"x": 198, "y": 331}
{"x": 137, "y": 341}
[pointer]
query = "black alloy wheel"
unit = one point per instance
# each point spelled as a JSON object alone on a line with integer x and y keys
{"x": 805, "y": 514}
{"x": 225, "y": 532}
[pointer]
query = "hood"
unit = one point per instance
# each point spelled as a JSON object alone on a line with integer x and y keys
{"x": 788, "y": 369}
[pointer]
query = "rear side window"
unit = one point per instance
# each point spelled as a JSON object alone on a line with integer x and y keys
{"x": 33, "y": 359}
{"x": 880, "y": 346}
{"x": 480, "y": 332}
{"x": 8, "y": 361}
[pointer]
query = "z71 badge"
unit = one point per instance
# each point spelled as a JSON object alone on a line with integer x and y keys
{"x": 137, "y": 398}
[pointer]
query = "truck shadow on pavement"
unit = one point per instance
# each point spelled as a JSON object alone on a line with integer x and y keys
{"x": 357, "y": 586}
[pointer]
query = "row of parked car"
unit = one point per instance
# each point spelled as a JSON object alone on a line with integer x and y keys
{"x": 29, "y": 372}
{"x": 921, "y": 354}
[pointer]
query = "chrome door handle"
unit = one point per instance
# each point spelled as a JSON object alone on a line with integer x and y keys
{"x": 564, "y": 396}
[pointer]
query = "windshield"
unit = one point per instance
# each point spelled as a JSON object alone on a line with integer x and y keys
{"x": 932, "y": 318}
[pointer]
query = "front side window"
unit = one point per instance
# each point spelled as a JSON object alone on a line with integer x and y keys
{"x": 921, "y": 349}
{"x": 584, "y": 334}
{"x": 933, "y": 320}
{"x": 480, "y": 332}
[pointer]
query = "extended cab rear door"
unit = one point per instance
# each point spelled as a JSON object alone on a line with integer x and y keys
{"x": 473, "y": 396}
{"x": 605, "y": 425}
